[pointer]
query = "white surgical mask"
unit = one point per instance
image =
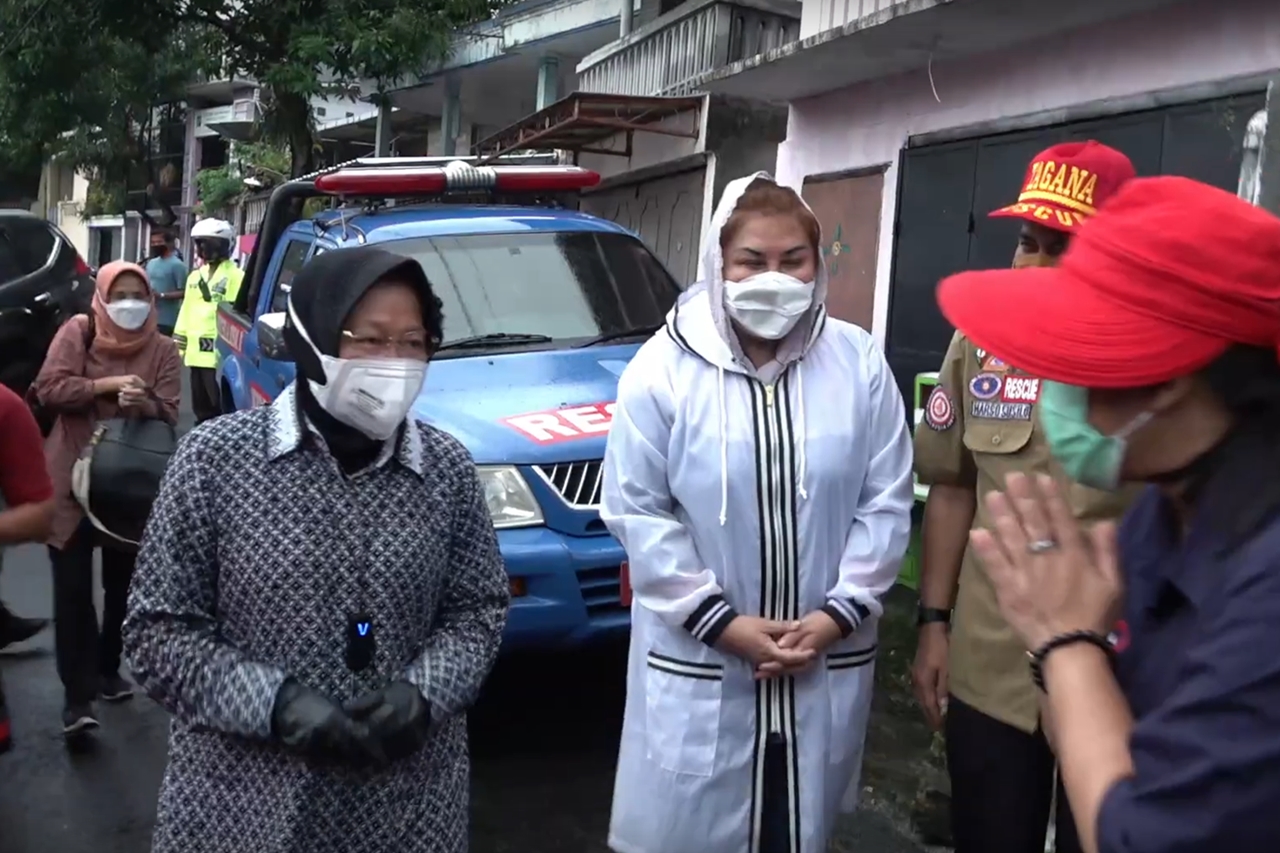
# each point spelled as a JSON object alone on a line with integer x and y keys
{"x": 768, "y": 304}
{"x": 129, "y": 314}
{"x": 372, "y": 395}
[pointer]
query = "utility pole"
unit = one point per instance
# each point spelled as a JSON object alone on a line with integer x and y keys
{"x": 1269, "y": 152}
{"x": 383, "y": 133}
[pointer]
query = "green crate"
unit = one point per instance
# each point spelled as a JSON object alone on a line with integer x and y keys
{"x": 923, "y": 387}
{"x": 909, "y": 574}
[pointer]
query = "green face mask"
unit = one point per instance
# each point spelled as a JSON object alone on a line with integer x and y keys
{"x": 1089, "y": 457}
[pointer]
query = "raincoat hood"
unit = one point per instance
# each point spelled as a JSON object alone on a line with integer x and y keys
{"x": 699, "y": 321}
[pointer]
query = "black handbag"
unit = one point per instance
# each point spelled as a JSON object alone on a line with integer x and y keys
{"x": 117, "y": 477}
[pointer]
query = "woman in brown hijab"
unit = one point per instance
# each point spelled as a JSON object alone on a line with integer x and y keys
{"x": 111, "y": 363}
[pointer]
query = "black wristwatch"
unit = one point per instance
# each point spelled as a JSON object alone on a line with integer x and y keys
{"x": 931, "y": 615}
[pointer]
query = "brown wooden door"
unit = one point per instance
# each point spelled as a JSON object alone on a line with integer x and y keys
{"x": 848, "y": 207}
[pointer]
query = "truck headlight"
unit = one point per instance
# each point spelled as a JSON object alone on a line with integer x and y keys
{"x": 511, "y": 503}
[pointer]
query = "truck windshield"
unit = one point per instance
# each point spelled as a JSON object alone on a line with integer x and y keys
{"x": 502, "y": 290}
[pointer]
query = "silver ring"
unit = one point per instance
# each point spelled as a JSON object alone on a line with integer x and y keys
{"x": 1040, "y": 546}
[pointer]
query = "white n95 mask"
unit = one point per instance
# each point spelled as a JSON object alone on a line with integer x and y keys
{"x": 372, "y": 395}
{"x": 768, "y": 304}
{"x": 129, "y": 314}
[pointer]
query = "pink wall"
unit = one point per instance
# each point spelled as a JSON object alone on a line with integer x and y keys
{"x": 1193, "y": 43}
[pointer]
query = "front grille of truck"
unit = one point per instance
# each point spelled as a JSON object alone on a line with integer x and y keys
{"x": 601, "y": 590}
{"x": 577, "y": 482}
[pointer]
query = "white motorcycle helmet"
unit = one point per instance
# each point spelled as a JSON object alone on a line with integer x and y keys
{"x": 213, "y": 238}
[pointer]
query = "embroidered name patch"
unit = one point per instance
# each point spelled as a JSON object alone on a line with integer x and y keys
{"x": 939, "y": 411}
{"x": 996, "y": 410}
{"x": 1021, "y": 389}
{"x": 985, "y": 386}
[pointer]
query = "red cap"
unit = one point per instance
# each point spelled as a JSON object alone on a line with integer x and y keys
{"x": 1066, "y": 184}
{"x": 1167, "y": 276}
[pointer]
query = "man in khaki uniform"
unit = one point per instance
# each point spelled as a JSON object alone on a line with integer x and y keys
{"x": 979, "y": 424}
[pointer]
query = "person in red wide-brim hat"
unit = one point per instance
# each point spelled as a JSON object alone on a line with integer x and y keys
{"x": 1157, "y": 338}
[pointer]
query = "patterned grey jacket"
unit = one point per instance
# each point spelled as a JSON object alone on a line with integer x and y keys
{"x": 257, "y": 552}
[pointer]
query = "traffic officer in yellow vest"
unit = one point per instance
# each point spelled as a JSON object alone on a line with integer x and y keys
{"x": 971, "y": 674}
{"x": 216, "y": 280}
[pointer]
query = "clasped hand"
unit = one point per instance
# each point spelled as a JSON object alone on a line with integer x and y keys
{"x": 377, "y": 728}
{"x": 779, "y": 648}
{"x": 130, "y": 391}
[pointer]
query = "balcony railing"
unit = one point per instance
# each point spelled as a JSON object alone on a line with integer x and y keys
{"x": 671, "y": 53}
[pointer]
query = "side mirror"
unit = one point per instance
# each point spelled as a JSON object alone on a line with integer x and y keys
{"x": 270, "y": 329}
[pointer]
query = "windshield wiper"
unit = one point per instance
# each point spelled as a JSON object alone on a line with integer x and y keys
{"x": 495, "y": 338}
{"x": 622, "y": 333}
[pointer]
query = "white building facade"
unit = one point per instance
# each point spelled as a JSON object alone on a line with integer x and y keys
{"x": 911, "y": 119}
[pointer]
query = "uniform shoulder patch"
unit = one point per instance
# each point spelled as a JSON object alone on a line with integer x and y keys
{"x": 939, "y": 410}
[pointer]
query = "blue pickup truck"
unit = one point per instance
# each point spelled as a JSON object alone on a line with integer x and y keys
{"x": 543, "y": 308}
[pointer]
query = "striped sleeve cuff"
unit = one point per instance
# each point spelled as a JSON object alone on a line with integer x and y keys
{"x": 708, "y": 622}
{"x": 847, "y": 613}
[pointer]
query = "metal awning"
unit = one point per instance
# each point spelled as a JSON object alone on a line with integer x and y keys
{"x": 579, "y": 121}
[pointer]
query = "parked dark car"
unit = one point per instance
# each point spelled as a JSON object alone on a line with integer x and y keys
{"x": 43, "y": 281}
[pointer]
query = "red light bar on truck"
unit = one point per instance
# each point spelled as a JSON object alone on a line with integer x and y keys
{"x": 453, "y": 177}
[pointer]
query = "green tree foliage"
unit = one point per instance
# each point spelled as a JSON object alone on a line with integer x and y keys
{"x": 81, "y": 79}
{"x": 84, "y": 76}
{"x": 264, "y": 162}
{"x": 299, "y": 49}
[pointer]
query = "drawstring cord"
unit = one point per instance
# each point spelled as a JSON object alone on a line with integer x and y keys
{"x": 724, "y": 454}
{"x": 724, "y": 441}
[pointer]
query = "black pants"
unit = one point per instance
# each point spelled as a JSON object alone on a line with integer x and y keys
{"x": 205, "y": 401}
{"x": 1002, "y": 785}
{"x": 84, "y": 652}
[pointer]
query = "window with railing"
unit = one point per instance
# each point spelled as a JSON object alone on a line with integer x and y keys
{"x": 672, "y": 53}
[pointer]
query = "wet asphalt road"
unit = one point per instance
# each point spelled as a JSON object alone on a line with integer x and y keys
{"x": 544, "y": 738}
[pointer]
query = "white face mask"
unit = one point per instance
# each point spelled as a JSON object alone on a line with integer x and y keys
{"x": 129, "y": 314}
{"x": 768, "y": 304}
{"x": 373, "y": 395}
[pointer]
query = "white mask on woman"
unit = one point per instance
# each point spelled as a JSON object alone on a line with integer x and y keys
{"x": 373, "y": 395}
{"x": 129, "y": 314}
{"x": 768, "y": 304}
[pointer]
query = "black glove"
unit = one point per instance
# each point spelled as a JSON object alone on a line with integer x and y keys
{"x": 397, "y": 719}
{"x": 310, "y": 723}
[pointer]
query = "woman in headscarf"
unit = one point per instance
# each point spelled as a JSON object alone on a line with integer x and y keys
{"x": 758, "y": 472}
{"x": 110, "y": 363}
{"x": 319, "y": 593}
{"x": 1158, "y": 340}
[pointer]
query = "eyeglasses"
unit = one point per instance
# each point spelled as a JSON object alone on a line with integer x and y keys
{"x": 410, "y": 345}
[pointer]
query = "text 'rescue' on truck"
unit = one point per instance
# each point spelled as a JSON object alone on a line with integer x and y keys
{"x": 543, "y": 308}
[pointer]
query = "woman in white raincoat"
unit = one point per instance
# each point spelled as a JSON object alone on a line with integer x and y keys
{"x": 758, "y": 473}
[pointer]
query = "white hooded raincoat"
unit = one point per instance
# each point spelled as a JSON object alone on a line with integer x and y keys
{"x": 732, "y": 495}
